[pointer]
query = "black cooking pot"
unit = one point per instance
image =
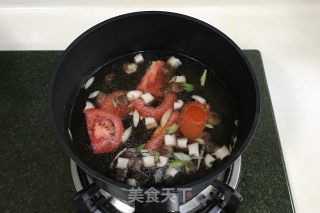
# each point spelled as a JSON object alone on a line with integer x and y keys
{"x": 153, "y": 31}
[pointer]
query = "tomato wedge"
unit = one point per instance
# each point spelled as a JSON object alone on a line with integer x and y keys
{"x": 110, "y": 104}
{"x": 173, "y": 119}
{"x": 193, "y": 118}
{"x": 155, "y": 112}
{"x": 153, "y": 80}
{"x": 155, "y": 144}
{"x": 105, "y": 130}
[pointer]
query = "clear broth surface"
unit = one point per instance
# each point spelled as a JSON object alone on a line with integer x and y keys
{"x": 214, "y": 92}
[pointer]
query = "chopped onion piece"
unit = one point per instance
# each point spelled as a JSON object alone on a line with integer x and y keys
{"x": 147, "y": 98}
{"x": 200, "y": 141}
{"x": 203, "y": 78}
{"x": 70, "y": 135}
{"x": 148, "y": 161}
{"x": 126, "y": 134}
{"x": 182, "y": 156}
{"x": 131, "y": 68}
{"x": 170, "y": 140}
{"x": 171, "y": 172}
{"x": 208, "y": 160}
{"x": 162, "y": 161}
{"x": 174, "y": 62}
{"x": 132, "y": 182}
{"x": 181, "y": 79}
{"x": 116, "y": 157}
{"x": 210, "y": 126}
{"x": 89, "y": 83}
{"x": 94, "y": 94}
{"x": 199, "y": 99}
{"x": 173, "y": 79}
{"x": 89, "y": 105}
{"x": 134, "y": 94}
{"x": 135, "y": 118}
{"x": 122, "y": 163}
{"x": 165, "y": 117}
{"x": 182, "y": 142}
{"x": 200, "y": 158}
{"x": 193, "y": 149}
{"x": 178, "y": 104}
{"x": 150, "y": 123}
{"x": 138, "y": 58}
{"x": 236, "y": 122}
{"x": 158, "y": 176}
{"x": 222, "y": 152}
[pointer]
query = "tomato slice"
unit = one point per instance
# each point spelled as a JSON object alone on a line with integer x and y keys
{"x": 110, "y": 105}
{"x": 153, "y": 80}
{"x": 105, "y": 130}
{"x": 155, "y": 144}
{"x": 173, "y": 119}
{"x": 155, "y": 112}
{"x": 193, "y": 118}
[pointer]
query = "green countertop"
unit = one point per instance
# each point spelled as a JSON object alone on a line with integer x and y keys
{"x": 35, "y": 174}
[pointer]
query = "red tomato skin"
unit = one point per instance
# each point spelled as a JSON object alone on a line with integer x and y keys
{"x": 193, "y": 118}
{"x": 108, "y": 106}
{"x": 155, "y": 144}
{"x": 98, "y": 123}
{"x": 153, "y": 79}
{"x": 155, "y": 112}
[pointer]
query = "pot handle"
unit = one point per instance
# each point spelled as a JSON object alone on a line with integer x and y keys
{"x": 229, "y": 198}
{"x": 87, "y": 201}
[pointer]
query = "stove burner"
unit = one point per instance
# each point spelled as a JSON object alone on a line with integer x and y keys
{"x": 200, "y": 203}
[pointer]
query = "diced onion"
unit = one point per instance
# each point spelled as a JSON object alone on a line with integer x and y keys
{"x": 222, "y": 152}
{"x": 181, "y": 79}
{"x": 116, "y": 157}
{"x": 210, "y": 126}
{"x": 171, "y": 172}
{"x": 94, "y": 94}
{"x": 182, "y": 156}
{"x": 170, "y": 140}
{"x": 200, "y": 141}
{"x": 138, "y": 58}
{"x": 122, "y": 163}
{"x": 208, "y": 160}
{"x": 134, "y": 94}
{"x": 174, "y": 62}
{"x": 193, "y": 149}
{"x": 162, "y": 161}
{"x": 177, "y": 104}
{"x": 132, "y": 182}
{"x": 200, "y": 158}
{"x": 150, "y": 123}
{"x": 131, "y": 68}
{"x": 89, "y": 105}
{"x": 158, "y": 176}
{"x": 126, "y": 134}
{"x": 165, "y": 117}
{"x": 236, "y": 122}
{"x": 182, "y": 142}
{"x": 148, "y": 161}
{"x": 199, "y": 99}
{"x": 135, "y": 118}
{"x": 89, "y": 83}
{"x": 70, "y": 134}
{"x": 147, "y": 98}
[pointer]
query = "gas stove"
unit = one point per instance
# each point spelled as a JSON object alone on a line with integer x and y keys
{"x": 209, "y": 200}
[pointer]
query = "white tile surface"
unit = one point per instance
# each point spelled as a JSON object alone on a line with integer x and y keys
{"x": 287, "y": 34}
